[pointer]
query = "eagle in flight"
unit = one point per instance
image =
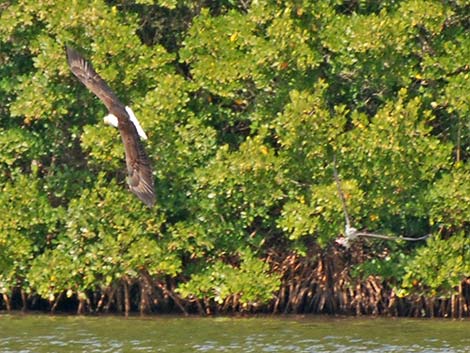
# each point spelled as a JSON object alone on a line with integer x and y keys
{"x": 139, "y": 170}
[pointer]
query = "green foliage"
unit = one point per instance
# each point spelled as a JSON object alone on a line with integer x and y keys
{"x": 237, "y": 191}
{"x": 108, "y": 235}
{"x": 246, "y": 104}
{"x": 449, "y": 200}
{"x": 251, "y": 281}
{"x": 318, "y": 213}
{"x": 19, "y": 149}
{"x": 396, "y": 159}
{"x": 438, "y": 269}
{"x": 28, "y": 222}
{"x": 390, "y": 267}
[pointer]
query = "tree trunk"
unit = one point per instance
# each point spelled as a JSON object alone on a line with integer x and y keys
{"x": 6, "y": 299}
{"x": 127, "y": 297}
{"x": 170, "y": 293}
{"x": 24, "y": 301}
{"x": 81, "y": 306}
{"x": 56, "y": 302}
{"x": 144, "y": 306}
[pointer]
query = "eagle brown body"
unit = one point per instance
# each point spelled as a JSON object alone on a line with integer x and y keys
{"x": 139, "y": 169}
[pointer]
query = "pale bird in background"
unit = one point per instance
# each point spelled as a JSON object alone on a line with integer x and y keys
{"x": 351, "y": 233}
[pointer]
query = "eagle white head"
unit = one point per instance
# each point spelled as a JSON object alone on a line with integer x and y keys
{"x": 112, "y": 120}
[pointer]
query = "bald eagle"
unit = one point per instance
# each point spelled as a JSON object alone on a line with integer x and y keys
{"x": 139, "y": 170}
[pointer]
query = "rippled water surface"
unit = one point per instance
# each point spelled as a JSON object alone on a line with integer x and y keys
{"x": 40, "y": 333}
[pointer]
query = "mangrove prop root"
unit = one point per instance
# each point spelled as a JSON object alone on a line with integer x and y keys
{"x": 319, "y": 282}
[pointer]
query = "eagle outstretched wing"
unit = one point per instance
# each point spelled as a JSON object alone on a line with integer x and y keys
{"x": 138, "y": 164}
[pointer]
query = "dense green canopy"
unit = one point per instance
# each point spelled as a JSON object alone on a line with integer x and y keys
{"x": 245, "y": 103}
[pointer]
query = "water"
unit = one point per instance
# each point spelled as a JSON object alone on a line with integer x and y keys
{"x": 41, "y": 333}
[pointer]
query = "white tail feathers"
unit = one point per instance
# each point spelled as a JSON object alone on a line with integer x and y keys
{"x": 110, "y": 119}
